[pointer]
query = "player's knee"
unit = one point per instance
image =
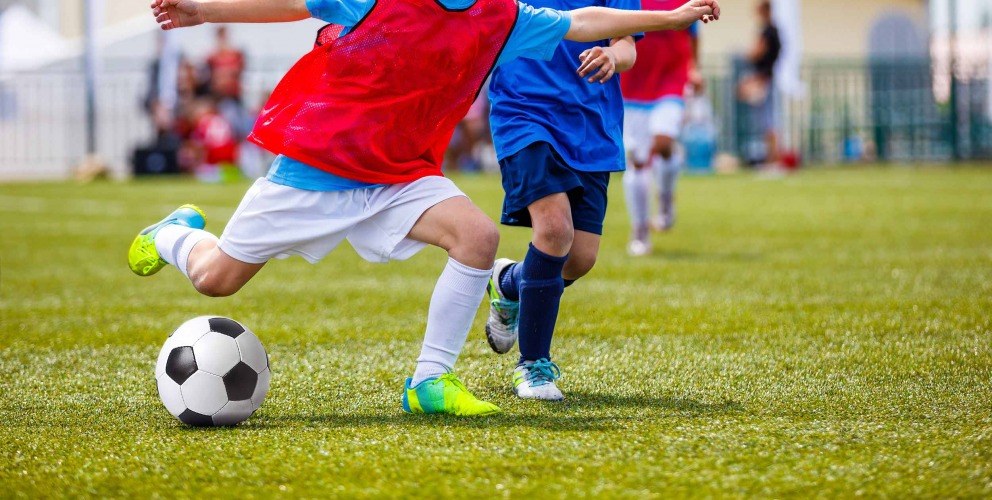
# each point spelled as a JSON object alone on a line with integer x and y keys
{"x": 215, "y": 285}
{"x": 664, "y": 146}
{"x": 487, "y": 238}
{"x": 554, "y": 232}
{"x": 478, "y": 237}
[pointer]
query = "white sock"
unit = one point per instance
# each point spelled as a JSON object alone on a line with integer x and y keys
{"x": 637, "y": 185}
{"x": 454, "y": 303}
{"x": 175, "y": 242}
{"x": 667, "y": 173}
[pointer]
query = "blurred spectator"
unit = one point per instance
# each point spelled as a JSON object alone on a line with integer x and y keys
{"x": 212, "y": 145}
{"x": 226, "y": 65}
{"x": 199, "y": 120}
{"x": 757, "y": 88}
{"x": 471, "y": 145}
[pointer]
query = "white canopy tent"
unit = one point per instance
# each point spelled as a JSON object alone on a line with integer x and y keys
{"x": 26, "y": 42}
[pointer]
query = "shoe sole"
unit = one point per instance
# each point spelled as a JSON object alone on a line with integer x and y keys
{"x": 492, "y": 343}
{"x": 562, "y": 398}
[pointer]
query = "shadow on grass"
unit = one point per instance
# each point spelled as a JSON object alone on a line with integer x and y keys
{"x": 667, "y": 404}
{"x": 570, "y": 415}
{"x": 505, "y": 420}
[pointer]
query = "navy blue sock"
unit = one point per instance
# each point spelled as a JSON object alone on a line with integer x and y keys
{"x": 509, "y": 281}
{"x": 541, "y": 286}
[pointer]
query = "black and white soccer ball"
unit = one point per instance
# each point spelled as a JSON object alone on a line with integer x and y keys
{"x": 212, "y": 371}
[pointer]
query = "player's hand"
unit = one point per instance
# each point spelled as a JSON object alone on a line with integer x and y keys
{"x": 598, "y": 63}
{"x": 697, "y": 10}
{"x": 697, "y": 82}
{"x": 172, "y": 14}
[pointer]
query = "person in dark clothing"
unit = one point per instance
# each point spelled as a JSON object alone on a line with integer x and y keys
{"x": 757, "y": 89}
{"x": 766, "y": 51}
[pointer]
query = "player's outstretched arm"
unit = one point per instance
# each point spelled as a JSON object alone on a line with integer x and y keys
{"x": 172, "y": 14}
{"x": 590, "y": 24}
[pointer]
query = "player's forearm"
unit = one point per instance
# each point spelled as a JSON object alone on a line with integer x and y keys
{"x": 590, "y": 24}
{"x": 625, "y": 53}
{"x": 254, "y": 11}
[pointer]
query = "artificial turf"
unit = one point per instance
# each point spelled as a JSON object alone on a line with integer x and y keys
{"x": 824, "y": 334}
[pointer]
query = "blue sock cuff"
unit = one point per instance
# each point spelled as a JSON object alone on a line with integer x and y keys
{"x": 533, "y": 249}
{"x": 556, "y": 285}
{"x": 538, "y": 265}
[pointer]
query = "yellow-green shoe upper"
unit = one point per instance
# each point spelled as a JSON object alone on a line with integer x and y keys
{"x": 444, "y": 394}
{"x": 143, "y": 257}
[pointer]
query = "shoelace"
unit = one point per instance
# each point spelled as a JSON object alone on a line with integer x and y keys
{"x": 541, "y": 372}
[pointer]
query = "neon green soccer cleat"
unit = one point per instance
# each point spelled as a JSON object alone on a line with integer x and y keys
{"x": 444, "y": 394}
{"x": 143, "y": 257}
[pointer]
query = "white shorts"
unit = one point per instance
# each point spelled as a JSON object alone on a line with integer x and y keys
{"x": 276, "y": 221}
{"x": 642, "y": 124}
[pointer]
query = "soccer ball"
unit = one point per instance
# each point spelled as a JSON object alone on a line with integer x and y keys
{"x": 212, "y": 371}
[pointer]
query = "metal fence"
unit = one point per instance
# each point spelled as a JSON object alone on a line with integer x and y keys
{"x": 882, "y": 110}
{"x": 43, "y": 119}
{"x": 850, "y": 111}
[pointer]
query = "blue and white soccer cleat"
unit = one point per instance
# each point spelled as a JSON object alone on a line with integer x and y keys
{"x": 536, "y": 380}
{"x": 504, "y": 314}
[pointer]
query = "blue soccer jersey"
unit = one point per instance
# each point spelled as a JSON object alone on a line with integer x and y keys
{"x": 536, "y": 34}
{"x": 535, "y": 101}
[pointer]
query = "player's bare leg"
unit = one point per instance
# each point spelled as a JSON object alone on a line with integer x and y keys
{"x": 551, "y": 218}
{"x": 534, "y": 288}
{"x": 216, "y": 274}
{"x": 470, "y": 238}
{"x": 460, "y": 228}
{"x": 179, "y": 239}
{"x": 582, "y": 257}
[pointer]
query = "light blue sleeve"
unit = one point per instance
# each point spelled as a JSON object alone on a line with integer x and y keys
{"x": 346, "y": 13}
{"x": 536, "y": 34}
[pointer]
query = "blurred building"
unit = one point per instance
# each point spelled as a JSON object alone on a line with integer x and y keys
{"x": 829, "y": 28}
{"x": 127, "y": 34}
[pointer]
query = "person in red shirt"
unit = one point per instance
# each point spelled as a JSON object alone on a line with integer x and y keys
{"x": 653, "y": 92}
{"x": 361, "y": 124}
{"x": 213, "y": 139}
{"x": 226, "y": 64}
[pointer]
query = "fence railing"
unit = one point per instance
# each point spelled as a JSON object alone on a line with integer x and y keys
{"x": 43, "y": 119}
{"x": 884, "y": 110}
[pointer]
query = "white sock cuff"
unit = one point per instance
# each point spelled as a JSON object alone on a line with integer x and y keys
{"x": 168, "y": 238}
{"x": 467, "y": 271}
{"x": 192, "y": 239}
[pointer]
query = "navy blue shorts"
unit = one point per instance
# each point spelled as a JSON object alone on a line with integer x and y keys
{"x": 537, "y": 171}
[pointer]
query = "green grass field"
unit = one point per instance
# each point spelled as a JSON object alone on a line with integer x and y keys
{"x": 826, "y": 334}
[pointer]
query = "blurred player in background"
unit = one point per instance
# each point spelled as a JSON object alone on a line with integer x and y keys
{"x": 558, "y": 130}
{"x": 360, "y": 125}
{"x": 758, "y": 87}
{"x": 654, "y": 100}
